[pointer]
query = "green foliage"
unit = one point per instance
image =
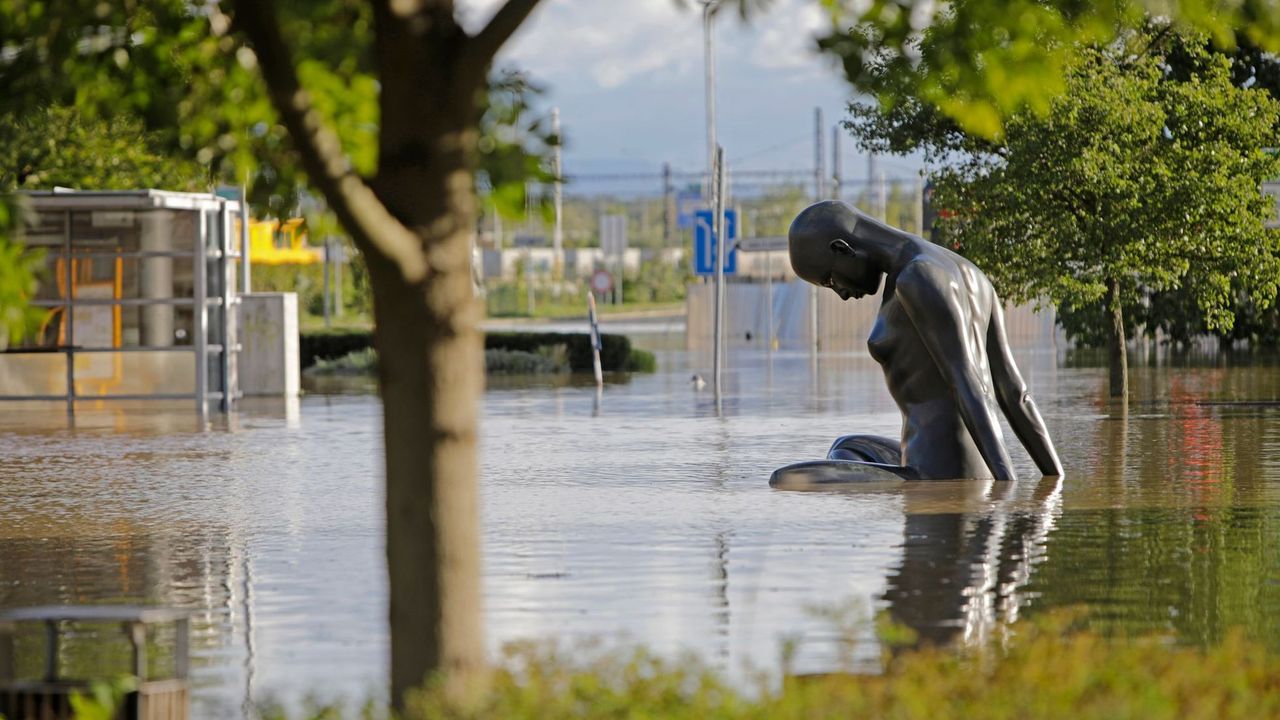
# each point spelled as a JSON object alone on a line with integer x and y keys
{"x": 546, "y": 360}
{"x": 980, "y": 63}
{"x": 104, "y": 699}
{"x": 641, "y": 361}
{"x": 60, "y": 146}
{"x": 616, "y": 353}
{"x": 615, "y": 350}
{"x": 1045, "y": 669}
{"x": 19, "y": 273}
{"x": 357, "y": 362}
{"x": 1134, "y": 176}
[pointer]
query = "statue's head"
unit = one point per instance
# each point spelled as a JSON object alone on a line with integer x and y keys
{"x": 825, "y": 252}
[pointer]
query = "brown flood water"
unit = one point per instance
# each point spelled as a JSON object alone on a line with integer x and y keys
{"x": 641, "y": 516}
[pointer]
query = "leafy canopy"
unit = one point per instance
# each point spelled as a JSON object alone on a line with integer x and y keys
{"x": 1134, "y": 175}
{"x": 980, "y": 62}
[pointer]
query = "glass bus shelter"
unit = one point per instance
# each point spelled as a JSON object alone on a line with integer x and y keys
{"x": 138, "y": 293}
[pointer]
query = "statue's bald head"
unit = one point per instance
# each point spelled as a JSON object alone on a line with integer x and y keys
{"x": 811, "y": 233}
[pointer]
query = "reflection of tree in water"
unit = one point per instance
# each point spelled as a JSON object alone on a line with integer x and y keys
{"x": 962, "y": 573}
{"x": 1173, "y": 529}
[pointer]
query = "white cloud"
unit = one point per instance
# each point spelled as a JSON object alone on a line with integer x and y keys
{"x": 612, "y": 42}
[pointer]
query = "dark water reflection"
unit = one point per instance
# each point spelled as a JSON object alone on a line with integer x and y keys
{"x": 643, "y": 514}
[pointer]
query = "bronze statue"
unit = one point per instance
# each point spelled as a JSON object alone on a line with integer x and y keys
{"x": 939, "y": 335}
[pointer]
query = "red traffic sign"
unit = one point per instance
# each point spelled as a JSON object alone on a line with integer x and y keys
{"x": 601, "y": 281}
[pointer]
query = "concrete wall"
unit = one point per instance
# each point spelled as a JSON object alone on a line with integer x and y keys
{"x": 268, "y": 361}
{"x": 842, "y": 326}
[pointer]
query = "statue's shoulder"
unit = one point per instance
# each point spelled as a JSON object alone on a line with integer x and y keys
{"x": 925, "y": 271}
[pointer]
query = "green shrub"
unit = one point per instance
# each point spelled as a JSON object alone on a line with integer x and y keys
{"x": 1040, "y": 670}
{"x": 358, "y": 362}
{"x": 641, "y": 361}
{"x": 315, "y": 345}
{"x": 548, "y": 360}
{"x": 616, "y": 353}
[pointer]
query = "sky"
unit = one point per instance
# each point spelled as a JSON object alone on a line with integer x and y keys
{"x": 628, "y": 78}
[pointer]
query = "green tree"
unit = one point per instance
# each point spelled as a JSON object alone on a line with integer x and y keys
{"x": 1133, "y": 182}
{"x": 387, "y": 129}
{"x": 979, "y": 62}
{"x": 58, "y": 146}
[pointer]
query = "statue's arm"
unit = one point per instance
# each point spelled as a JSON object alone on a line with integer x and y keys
{"x": 1015, "y": 400}
{"x": 935, "y": 304}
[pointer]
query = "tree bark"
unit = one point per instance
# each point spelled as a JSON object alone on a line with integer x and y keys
{"x": 1117, "y": 352}
{"x": 414, "y": 224}
{"x": 431, "y": 356}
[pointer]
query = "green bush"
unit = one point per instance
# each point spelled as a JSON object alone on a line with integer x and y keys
{"x": 316, "y": 345}
{"x": 615, "y": 350}
{"x": 358, "y": 362}
{"x": 641, "y": 361}
{"x": 1040, "y": 670}
{"x": 548, "y": 360}
{"x": 616, "y": 353}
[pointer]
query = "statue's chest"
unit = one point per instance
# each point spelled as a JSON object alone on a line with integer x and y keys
{"x": 889, "y": 332}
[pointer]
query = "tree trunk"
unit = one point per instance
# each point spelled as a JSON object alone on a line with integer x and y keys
{"x": 431, "y": 376}
{"x": 1117, "y": 352}
{"x": 431, "y": 365}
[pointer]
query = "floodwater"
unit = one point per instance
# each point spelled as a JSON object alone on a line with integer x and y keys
{"x": 643, "y": 515}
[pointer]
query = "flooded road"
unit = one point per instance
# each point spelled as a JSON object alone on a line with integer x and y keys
{"x": 642, "y": 515}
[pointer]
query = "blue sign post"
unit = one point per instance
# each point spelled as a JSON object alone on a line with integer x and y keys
{"x": 704, "y": 242}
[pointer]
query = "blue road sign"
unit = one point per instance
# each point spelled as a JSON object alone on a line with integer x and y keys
{"x": 704, "y": 244}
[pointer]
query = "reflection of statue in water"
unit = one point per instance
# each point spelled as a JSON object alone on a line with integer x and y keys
{"x": 939, "y": 335}
{"x": 967, "y": 559}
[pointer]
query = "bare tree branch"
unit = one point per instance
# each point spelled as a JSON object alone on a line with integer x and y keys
{"x": 371, "y": 225}
{"x": 504, "y": 23}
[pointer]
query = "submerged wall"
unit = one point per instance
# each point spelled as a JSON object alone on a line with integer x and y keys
{"x": 842, "y": 326}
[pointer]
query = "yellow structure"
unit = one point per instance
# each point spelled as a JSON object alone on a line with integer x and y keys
{"x": 281, "y": 242}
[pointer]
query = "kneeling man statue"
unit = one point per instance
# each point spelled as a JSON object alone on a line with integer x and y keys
{"x": 939, "y": 335}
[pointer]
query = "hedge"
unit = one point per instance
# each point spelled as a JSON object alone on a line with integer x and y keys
{"x": 615, "y": 350}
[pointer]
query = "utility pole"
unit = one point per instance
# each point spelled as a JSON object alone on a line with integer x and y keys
{"x": 668, "y": 209}
{"x": 919, "y": 204}
{"x": 871, "y": 179}
{"x": 718, "y": 190}
{"x": 557, "y": 167}
{"x": 836, "y": 180}
{"x": 883, "y": 200}
{"x": 709, "y": 8}
{"x": 819, "y": 174}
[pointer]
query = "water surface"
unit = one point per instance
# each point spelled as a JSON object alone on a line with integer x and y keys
{"x": 643, "y": 514}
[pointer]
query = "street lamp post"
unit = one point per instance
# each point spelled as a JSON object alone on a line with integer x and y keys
{"x": 709, "y": 8}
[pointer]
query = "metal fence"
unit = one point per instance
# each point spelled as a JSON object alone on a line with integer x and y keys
{"x": 137, "y": 291}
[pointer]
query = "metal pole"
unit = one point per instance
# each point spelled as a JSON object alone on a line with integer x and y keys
{"x": 528, "y": 276}
{"x": 836, "y": 180}
{"x": 883, "y": 201}
{"x": 200, "y": 314}
{"x": 871, "y": 178}
{"x": 244, "y": 241}
{"x": 768, "y": 290}
{"x": 718, "y": 236}
{"x": 668, "y": 211}
{"x": 327, "y": 321}
{"x": 69, "y": 313}
{"x": 340, "y": 254}
{"x": 226, "y": 274}
{"x": 708, "y": 39}
{"x": 557, "y": 167}
{"x": 919, "y": 205}
{"x": 819, "y": 176}
{"x": 595, "y": 338}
